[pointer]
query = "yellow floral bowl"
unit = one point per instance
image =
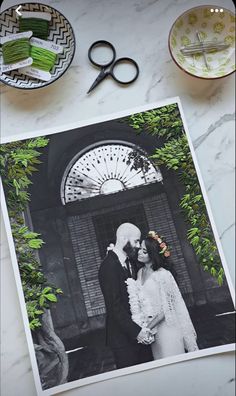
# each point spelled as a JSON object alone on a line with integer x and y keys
{"x": 213, "y": 24}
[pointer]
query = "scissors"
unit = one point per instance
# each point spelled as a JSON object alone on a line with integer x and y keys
{"x": 113, "y": 63}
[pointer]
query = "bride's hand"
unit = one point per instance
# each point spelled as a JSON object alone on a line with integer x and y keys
{"x": 153, "y": 330}
{"x": 145, "y": 336}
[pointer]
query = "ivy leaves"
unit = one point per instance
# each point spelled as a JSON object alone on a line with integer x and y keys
{"x": 163, "y": 122}
{"x": 175, "y": 155}
{"x": 18, "y": 161}
{"x": 48, "y": 295}
{"x": 200, "y": 235}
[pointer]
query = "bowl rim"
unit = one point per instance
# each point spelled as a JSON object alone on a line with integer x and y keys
{"x": 171, "y": 53}
{"x": 73, "y": 54}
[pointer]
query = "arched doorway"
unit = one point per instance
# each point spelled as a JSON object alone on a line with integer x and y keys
{"x": 105, "y": 168}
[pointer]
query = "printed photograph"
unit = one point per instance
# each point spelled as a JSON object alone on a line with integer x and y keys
{"x": 117, "y": 259}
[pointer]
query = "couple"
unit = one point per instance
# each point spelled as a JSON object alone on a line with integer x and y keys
{"x": 146, "y": 318}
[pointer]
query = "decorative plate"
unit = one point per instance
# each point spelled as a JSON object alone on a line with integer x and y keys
{"x": 60, "y": 31}
{"x": 213, "y": 23}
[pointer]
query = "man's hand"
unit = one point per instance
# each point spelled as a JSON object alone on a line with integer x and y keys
{"x": 145, "y": 336}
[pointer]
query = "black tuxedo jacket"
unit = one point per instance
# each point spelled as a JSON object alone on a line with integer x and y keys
{"x": 121, "y": 331}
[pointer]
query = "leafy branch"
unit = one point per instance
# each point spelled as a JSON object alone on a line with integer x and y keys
{"x": 163, "y": 122}
{"x": 18, "y": 162}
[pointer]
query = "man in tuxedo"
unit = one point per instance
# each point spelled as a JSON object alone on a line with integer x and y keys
{"x": 125, "y": 337}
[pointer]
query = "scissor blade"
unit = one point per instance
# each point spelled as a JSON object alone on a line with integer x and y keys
{"x": 99, "y": 78}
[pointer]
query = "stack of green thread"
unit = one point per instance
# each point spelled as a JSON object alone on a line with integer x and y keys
{"x": 39, "y": 27}
{"x": 16, "y": 50}
{"x": 43, "y": 59}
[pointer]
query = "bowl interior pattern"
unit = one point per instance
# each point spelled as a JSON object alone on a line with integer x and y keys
{"x": 60, "y": 32}
{"x": 216, "y": 26}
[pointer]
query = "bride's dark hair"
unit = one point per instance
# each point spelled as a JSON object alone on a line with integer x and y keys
{"x": 158, "y": 260}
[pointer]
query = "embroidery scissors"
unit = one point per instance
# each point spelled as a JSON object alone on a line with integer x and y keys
{"x": 113, "y": 63}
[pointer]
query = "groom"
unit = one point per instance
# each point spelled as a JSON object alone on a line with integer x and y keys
{"x": 124, "y": 336}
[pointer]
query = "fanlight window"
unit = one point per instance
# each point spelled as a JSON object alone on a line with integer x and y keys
{"x": 106, "y": 169}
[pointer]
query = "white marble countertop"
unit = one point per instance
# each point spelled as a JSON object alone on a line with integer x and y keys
{"x": 138, "y": 29}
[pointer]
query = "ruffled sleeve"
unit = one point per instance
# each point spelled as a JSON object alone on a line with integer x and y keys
{"x": 174, "y": 308}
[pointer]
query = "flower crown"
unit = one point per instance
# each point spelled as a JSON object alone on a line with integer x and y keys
{"x": 164, "y": 248}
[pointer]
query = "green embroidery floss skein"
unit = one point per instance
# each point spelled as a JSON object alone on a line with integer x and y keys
{"x": 43, "y": 59}
{"x": 39, "y": 27}
{"x": 16, "y": 50}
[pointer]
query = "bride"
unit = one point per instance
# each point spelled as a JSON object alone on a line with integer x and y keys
{"x": 161, "y": 305}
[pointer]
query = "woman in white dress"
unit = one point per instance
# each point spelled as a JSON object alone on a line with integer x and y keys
{"x": 161, "y": 302}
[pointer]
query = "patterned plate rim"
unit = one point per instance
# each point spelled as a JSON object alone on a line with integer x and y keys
{"x": 171, "y": 53}
{"x": 73, "y": 54}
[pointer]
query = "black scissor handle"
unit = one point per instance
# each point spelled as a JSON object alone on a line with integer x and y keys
{"x": 124, "y": 60}
{"x": 101, "y": 43}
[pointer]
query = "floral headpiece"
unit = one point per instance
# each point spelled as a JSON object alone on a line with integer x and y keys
{"x": 164, "y": 248}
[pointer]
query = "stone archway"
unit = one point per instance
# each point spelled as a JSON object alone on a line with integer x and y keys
{"x": 105, "y": 168}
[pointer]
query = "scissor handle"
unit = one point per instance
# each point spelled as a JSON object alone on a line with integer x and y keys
{"x": 124, "y": 60}
{"x": 101, "y": 43}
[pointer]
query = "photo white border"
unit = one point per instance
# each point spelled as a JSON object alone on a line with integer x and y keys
{"x": 140, "y": 367}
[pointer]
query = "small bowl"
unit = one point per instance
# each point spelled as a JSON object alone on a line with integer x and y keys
{"x": 60, "y": 32}
{"x": 212, "y": 25}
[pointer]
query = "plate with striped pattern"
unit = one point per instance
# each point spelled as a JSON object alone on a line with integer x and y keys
{"x": 60, "y": 32}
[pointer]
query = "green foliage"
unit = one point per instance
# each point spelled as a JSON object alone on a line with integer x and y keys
{"x": 18, "y": 161}
{"x": 163, "y": 122}
{"x": 138, "y": 161}
{"x": 175, "y": 155}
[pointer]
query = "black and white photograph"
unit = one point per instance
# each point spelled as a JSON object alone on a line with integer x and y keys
{"x": 115, "y": 251}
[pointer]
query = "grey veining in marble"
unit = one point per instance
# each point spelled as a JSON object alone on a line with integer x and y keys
{"x": 224, "y": 119}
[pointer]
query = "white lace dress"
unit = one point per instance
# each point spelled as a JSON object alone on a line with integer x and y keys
{"x": 160, "y": 294}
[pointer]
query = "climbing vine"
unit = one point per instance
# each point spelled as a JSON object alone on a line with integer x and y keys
{"x": 174, "y": 153}
{"x": 18, "y": 162}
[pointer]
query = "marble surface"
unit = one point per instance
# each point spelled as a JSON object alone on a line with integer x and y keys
{"x": 138, "y": 29}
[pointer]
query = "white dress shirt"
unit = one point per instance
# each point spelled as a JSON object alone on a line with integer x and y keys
{"x": 122, "y": 256}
